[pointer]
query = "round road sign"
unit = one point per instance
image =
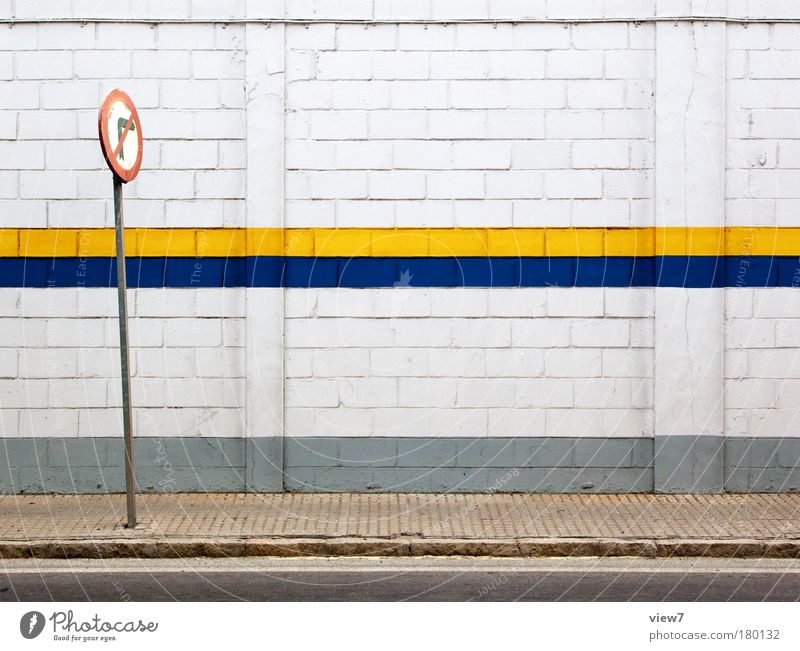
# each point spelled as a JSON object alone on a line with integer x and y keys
{"x": 120, "y": 135}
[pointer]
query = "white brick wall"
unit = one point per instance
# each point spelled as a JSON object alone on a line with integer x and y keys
{"x": 387, "y": 125}
{"x": 762, "y": 365}
{"x": 188, "y": 84}
{"x": 763, "y": 170}
{"x": 378, "y": 362}
{"x": 59, "y": 367}
{"x": 428, "y": 120}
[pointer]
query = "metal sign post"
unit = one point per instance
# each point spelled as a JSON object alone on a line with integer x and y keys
{"x": 121, "y": 142}
{"x": 124, "y": 353}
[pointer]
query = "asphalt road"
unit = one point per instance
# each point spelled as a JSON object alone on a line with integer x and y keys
{"x": 423, "y": 579}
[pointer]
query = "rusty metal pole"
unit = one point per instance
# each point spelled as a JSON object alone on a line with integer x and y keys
{"x": 124, "y": 354}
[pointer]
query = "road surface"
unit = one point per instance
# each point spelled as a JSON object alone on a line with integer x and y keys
{"x": 423, "y": 579}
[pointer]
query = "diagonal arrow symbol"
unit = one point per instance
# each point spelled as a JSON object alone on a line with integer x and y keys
{"x": 128, "y": 126}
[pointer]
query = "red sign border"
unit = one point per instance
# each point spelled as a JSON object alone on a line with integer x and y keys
{"x": 102, "y": 122}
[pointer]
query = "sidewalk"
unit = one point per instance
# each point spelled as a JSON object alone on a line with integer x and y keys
{"x": 183, "y": 525}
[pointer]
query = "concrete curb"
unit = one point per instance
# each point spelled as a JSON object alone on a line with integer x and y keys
{"x": 312, "y": 547}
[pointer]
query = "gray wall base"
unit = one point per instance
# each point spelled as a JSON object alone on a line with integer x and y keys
{"x": 391, "y": 464}
{"x": 689, "y": 464}
{"x": 96, "y": 465}
{"x": 469, "y": 465}
{"x": 264, "y": 464}
{"x": 762, "y": 465}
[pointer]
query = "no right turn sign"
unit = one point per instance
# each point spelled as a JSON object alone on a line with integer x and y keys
{"x": 120, "y": 135}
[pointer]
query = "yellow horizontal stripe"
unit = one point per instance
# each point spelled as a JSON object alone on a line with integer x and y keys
{"x": 387, "y": 242}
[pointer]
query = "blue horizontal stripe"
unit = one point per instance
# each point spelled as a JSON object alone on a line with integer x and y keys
{"x": 276, "y": 271}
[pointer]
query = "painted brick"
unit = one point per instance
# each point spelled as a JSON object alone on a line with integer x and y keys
{"x": 574, "y": 65}
{"x": 452, "y": 185}
{"x": 481, "y": 334}
{"x": 603, "y": 393}
{"x": 396, "y": 185}
{"x": 162, "y": 64}
{"x": 459, "y": 423}
{"x": 43, "y": 65}
{"x": 459, "y": 302}
{"x": 165, "y": 362}
{"x": 316, "y": 36}
{"x": 458, "y": 124}
{"x": 544, "y": 393}
{"x": 516, "y": 124}
{"x": 8, "y": 363}
{"x": 516, "y": 65}
{"x": 479, "y": 94}
{"x": 520, "y": 363}
{"x": 524, "y": 94}
{"x": 596, "y": 94}
{"x": 541, "y": 37}
{"x": 514, "y": 184}
{"x": 22, "y": 155}
{"x": 27, "y": 395}
{"x": 628, "y": 363}
{"x": 773, "y": 364}
{"x": 458, "y": 8}
{"x": 312, "y": 393}
{"x": 422, "y": 155}
{"x": 427, "y": 126}
{"x": 610, "y": 36}
{"x": 397, "y": 124}
{"x": 573, "y": 184}
{"x": 418, "y": 94}
{"x": 217, "y": 65}
{"x": 198, "y": 94}
{"x": 400, "y": 65}
{"x": 85, "y": 393}
{"x": 368, "y": 393}
{"x": 485, "y": 392}
{"x": 465, "y": 362}
{"x": 136, "y": 37}
{"x": 47, "y": 125}
{"x": 341, "y": 422}
{"x": 19, "y": 37}
{"x": 423, "y": 332}
{"x": 426, "y": 37}
{"x": 192, "y": 332}
{"x": 784, "y": 37}
{"x": 438, "y": 392}
{"x": 186, "y": 37}
{"x": 342, "y": 185}
{"x": 220, "y": 184}
{"x": 774, "y": 64}
{"x": 459, "y": 65}
{"x": 344, "y": 65}
{"x": 338, "y": 125}
{"x": 48, "y": 422}
{"x": 611, "y": 333}
{"x": 572, "y": 363}
{"x": 344, "y": 95}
